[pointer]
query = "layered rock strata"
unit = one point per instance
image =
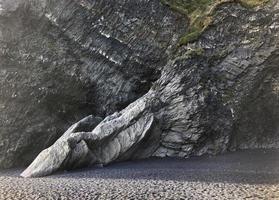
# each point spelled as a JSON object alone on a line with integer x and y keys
{"x": 216, "y": 94}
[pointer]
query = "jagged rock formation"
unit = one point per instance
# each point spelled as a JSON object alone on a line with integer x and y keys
{"x": 63, "y": 60}
{"x": 118, "y": 137}
{"x": 218, "y": 93}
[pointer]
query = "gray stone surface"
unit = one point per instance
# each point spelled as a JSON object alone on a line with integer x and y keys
{"x": 63, "y": 60}
{"x": 118, "y": 60}
{"x": 117, "y": 137}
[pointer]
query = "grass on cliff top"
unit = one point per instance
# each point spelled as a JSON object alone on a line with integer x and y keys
{"x": 200, "y": 13}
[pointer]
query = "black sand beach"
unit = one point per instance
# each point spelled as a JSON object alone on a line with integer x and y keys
{"x": 239, "y": 175}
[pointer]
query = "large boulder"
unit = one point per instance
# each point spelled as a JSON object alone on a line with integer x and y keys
{"x": 117, "y": 137}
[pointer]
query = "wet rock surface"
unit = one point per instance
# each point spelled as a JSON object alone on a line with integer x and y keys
{"x": 241, "y": 175}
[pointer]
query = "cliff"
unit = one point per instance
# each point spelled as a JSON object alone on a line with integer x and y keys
{"x": 123, "y": 61}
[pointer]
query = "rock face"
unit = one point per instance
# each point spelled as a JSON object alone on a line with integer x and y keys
{"x": 63, "y": 60}
{"x": 97, "y": 57}
{"x": 117, "y": 137}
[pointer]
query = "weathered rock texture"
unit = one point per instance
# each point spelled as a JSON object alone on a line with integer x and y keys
{"x": 61, "y": 60}
{"x": 117, "y": 137}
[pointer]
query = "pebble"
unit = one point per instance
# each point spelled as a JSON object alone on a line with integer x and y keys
{"x": 154, "y": 179}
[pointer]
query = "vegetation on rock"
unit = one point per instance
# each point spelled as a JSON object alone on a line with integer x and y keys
{"x": 200, "y": 13}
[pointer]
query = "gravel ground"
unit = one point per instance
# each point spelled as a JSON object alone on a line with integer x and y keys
{"x": 241, "y": 175}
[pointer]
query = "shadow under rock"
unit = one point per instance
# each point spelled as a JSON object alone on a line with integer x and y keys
{"x": 242, "y": 167}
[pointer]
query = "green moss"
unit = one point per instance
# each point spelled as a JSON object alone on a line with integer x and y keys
{"x": 199, "y": 13}
{"x": 190, "y": 37}
{"x": 195, "y": 52}
{"x": 252, "y": 3}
